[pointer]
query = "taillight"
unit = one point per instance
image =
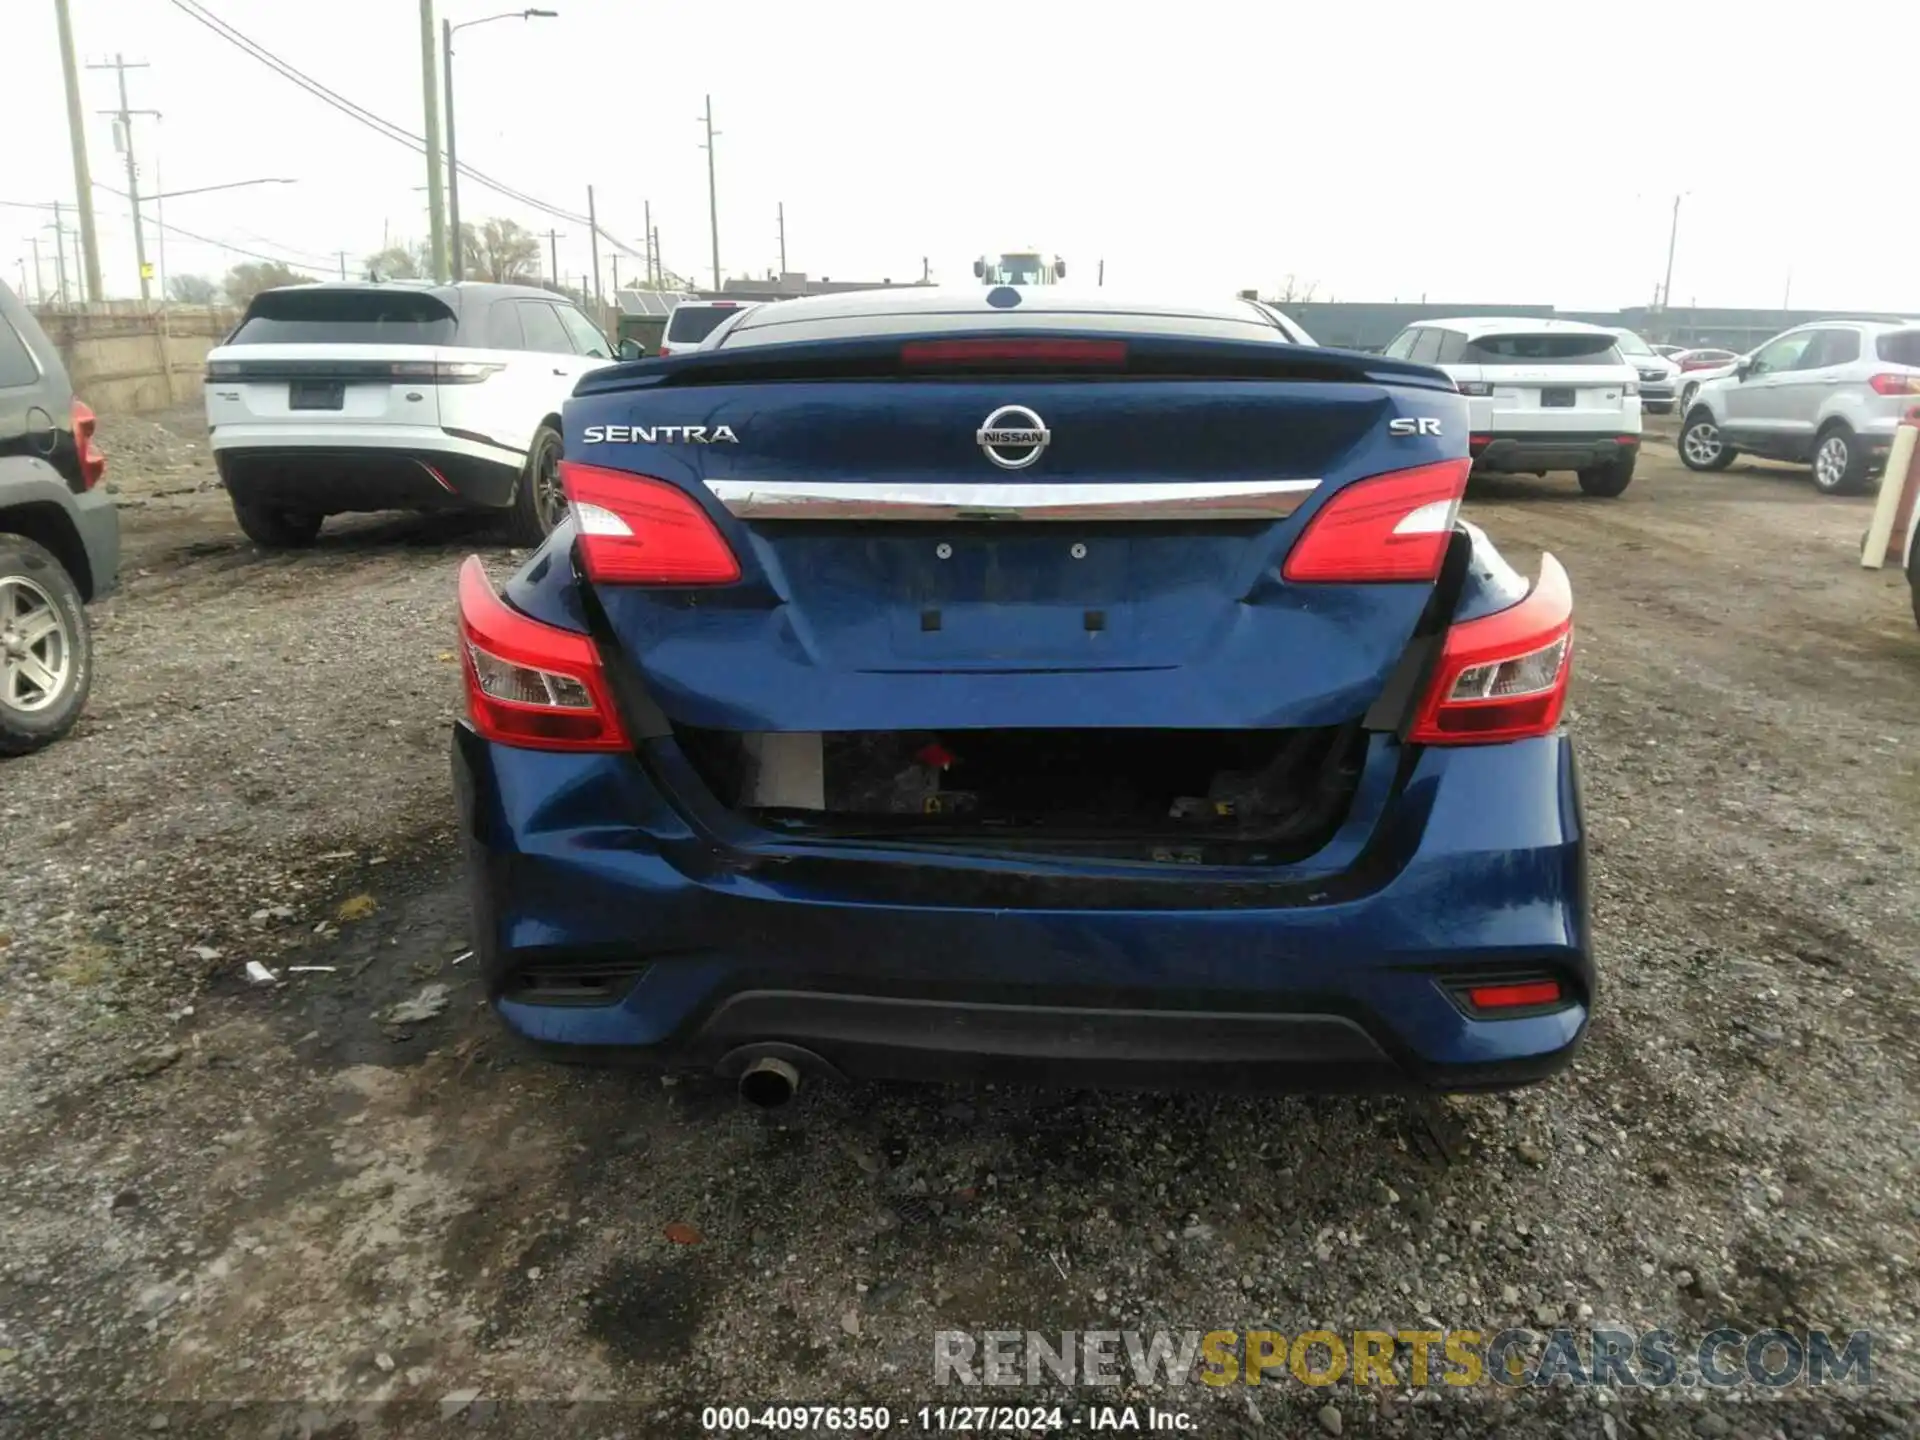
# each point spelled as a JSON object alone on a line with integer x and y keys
{"x": 1509, "y": 996}
{"x": 528, "y": 684}
{"x": 666, "y": 350}
{"x": 1387, "y": 527}
{"x": 1474, "y": 387}
{"x": 635, "y": 530}
{"x": 1503, "y": 676}
{"x": 1895, "y": 384}
{"x": 1632, "y": 387}
{"x": 92, "y": 463}
{"x": 1054, "y": 354}
{"x": 444, "y": 372}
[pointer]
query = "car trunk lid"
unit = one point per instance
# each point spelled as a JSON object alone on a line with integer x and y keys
{"x": 929, "y": 549}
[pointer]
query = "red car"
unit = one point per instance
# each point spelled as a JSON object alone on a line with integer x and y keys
{"x": 1704, "y": 359}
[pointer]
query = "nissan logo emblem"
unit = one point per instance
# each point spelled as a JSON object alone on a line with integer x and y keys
{"x": 1013, "y": 437}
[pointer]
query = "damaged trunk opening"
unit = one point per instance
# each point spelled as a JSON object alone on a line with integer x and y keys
{"x": 1244, "y": 797}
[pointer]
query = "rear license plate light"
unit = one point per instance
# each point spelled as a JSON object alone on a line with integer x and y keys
{"x": 317, "y": 395}
{"x": 1559, "y": 398}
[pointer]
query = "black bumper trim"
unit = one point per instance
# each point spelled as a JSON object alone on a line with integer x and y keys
{"x": 334, "y": 481}
{"x": 1523, "y": 452}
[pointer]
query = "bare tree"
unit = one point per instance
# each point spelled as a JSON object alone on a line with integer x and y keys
{"x": 405, "y": 261}
{"x": 501, "y": 251}
{"x": 1294, "y": 291}
{"x": 247, "y": 280}
{"x": 192, "y": 289}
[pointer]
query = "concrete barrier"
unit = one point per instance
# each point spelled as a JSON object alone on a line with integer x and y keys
{"x": 1899, "y": 488}
{"x": 124, "y": 358}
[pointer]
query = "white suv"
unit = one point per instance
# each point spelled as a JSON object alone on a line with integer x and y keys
{"x": 1542, "y": 395}
{"x": 399, "y": 396}
{"x": 1827, "y": 395}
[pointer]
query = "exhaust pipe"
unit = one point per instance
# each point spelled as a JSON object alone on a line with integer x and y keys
{"x": 768, "y": 1082}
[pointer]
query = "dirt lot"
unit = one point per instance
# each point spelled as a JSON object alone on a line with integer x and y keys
{"x": 215, "y": 1192}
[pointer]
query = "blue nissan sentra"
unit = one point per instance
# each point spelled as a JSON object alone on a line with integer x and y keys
{"x": 1018, "y": 684}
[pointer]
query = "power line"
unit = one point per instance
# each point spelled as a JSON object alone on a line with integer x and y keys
{"x": 400, "y": 135}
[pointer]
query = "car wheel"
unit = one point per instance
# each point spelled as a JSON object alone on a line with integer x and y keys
{"x": 1839, "y": 462}
{"x": 539, "y": 502}
{"x": 275, "y": 529}
{"x": 1702, "y": 446}
{"x": 46, "y": 647}
{"x": 1687, "y": 392}
{"x": 1607, "y": 480}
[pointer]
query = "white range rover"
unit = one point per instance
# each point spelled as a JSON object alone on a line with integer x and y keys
{"x": 396, "y": 396}
{"x": 1543, "y": 394}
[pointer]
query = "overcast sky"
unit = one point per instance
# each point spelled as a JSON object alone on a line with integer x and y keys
{"x": 1465, "y": 152}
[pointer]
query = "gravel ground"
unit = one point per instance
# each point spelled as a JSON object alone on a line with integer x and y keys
{"x": 360, "y": 1223}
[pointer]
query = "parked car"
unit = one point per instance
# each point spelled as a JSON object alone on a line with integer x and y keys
{"x": 398, "y": 396}
{"x": 1704, "y": 359}
{"x": 59, "y": 537}
{"x": 896, "y": 701}
{"x": 1544, "y": 395}
{"x": 1657, "y": 373}
{"x": 694, "y": 321}
{"x": 1667, "y": 352}
{"x": 1827, "y": 394}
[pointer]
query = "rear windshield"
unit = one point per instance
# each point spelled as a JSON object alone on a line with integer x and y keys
{"x": 1900, "y": 347}
{"x": 693, "y": 323}
{"x": 1541, "y": 350}
{"x": 345, "y": 317}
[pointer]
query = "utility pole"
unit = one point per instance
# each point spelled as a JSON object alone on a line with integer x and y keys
{"x": 659, "y": 270}
{"x": 343, "y": 264}
{"x": 783, "y": 237}
{"x": 125, "y": 117}
{"x": 1673, "y": 236}
{"x": 459, "y": 258}
{"x": 77, "y": 137}
{"x": 1103, "y": 275}
{"x": 593, "y": 243}
{"x": 39, "y": 295}
{"x": 430, "y": 93}
{"x": 60, "y": 254}
{"x": 616, "y": 279}
{"x": 553, "y": 253}
{"x": 713, "y": 195}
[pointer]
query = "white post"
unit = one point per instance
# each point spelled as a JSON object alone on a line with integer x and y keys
{"x": 1894, "y": 483}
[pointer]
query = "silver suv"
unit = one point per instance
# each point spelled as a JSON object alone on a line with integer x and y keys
{"x": 1827, "y": 394}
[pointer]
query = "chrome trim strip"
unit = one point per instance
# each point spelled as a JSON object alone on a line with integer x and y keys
{"x": 1142, "y": 500}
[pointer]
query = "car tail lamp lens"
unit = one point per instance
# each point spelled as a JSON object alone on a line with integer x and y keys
{"x": 1503, "y": 676}
{"x": 1052, "y": 354}
{"x": 1895, "y": 384}
{"x": 1473, "y": 387}
{"x": 1509, "y": 996}
{"x": 444, "y": 372}
{"x": 635, "y": 530}
{"x": 93, "y": 464}
{"x": 666, "y": 350}
{"x": 531, "y": 685}
{"x": 1632, "y": 387}
{"x": 1387, "y": 527}
{"x": 223, "y": 370}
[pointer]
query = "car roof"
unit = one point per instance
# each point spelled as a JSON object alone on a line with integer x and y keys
{"x": 1473, "y": 326}
{"x": 453, "y": 293}
{"x": 922, "y": 309}
{"x": 719, "y": 304}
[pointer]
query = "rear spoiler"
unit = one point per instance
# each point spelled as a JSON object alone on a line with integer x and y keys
{"x": 1054, "y": 353}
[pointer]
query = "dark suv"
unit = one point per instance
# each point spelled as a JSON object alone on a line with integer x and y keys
{"x": 59, "y": 537}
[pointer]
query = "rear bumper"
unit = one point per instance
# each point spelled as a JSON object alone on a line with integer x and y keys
{"x": 330, "y": 479}
{"x": 610, "y": 927}
{"x": 1525, "y": 452}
